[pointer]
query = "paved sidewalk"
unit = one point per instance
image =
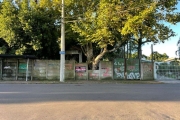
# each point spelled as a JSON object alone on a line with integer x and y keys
{"x": 164, "y": 79}
{"x": 172, "y": 81}
{"x": 169, "y": 81}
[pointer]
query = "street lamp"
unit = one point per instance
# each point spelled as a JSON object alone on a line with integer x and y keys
{"x": 62, "y": 52}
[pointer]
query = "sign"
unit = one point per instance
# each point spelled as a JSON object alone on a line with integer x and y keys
{"x": 61, "y": 52}
{"x": 80, "y": 68}
{"x": 23, "y": 66}
{"x": 81, "y": 71}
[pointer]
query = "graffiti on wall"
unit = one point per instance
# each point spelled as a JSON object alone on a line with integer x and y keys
{"x": 9, "y": 69}
{"x": 105, "y": 70}
{"x": 119, "y": 69}
{"x": 93, "y": 74}
{"x": 133, "y": 69}
{"x": 133, "y": 75}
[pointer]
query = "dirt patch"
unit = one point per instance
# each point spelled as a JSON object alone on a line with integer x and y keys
{"x": 91, "y": 110}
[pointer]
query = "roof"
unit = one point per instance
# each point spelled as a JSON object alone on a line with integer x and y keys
{"x": 18, "y": 56}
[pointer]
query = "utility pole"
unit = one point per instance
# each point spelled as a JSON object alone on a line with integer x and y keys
{"x": 152, "y": 53}
{"x": 178, "y": 51}
{"x": 62, "y": 52}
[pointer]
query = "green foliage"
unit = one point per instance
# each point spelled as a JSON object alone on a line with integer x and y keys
{"x": 100, "y": 26}
{"x": 29, "y": 28}
{"x": 158, "y": 57}
{"x": 112, "y": 23}
{"x": 147, "y": 21}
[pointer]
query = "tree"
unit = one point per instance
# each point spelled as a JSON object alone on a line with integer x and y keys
{"x": 99, "y": 29}
{"x": 7, "y": 23}
{"x": 158, "y": 57}
{"x": 111, "y": 23}
{"x": 77, "y": 13}
{"x": 151, "y": 27}
{"x": 3, "y": 46}
{"x": 29, "y": 27}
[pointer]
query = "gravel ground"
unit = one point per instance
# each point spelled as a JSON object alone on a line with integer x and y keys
{"x": 93, "y": 110}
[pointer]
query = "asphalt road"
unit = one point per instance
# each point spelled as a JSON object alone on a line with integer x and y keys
{"x": 25, "y": 93}
{"x": 18, "y": 97}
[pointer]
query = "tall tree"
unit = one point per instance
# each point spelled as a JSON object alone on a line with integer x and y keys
{"x": 112, "y": 23}
{"x": 29, "y": 27}
{"x": 147, "y": 23}
{"x": 98, "y": 28}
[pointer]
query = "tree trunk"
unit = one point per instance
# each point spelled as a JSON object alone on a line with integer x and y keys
{"x": 88, "y": 52}
{"x": 98, "y": 58}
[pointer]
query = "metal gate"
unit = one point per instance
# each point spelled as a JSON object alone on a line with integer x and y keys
{"x": 167, "y": 71}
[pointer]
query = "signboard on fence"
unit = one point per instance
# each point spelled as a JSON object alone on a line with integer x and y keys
{"x": 106, "y": 70}
{"x": 118, "y": 69}
{"x": 81, "y": 71}
{"x": 22, "y": 67}
{"x": 133, "y": 69}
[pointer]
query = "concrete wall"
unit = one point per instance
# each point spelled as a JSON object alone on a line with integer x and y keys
{"x": 50, "y": 69}
{"x": 147, "y": 70}
{"x": 119, "y": 69}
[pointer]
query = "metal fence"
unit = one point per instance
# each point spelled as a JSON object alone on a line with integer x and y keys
{"x": 167, "y": 71}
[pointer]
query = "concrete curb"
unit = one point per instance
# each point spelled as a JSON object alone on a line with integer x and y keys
{"x": 83, "y": 82}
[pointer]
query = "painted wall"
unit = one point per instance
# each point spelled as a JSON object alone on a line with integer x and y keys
{"x": 132, "y": 66}
{"x": 81, "y": 71}
{"x": 119, "y": 69}
{"x": 147, "y": 71}
{"x": 106, "y": 70}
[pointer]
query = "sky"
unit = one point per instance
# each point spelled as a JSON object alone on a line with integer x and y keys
{"x": 169, "y": 47}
